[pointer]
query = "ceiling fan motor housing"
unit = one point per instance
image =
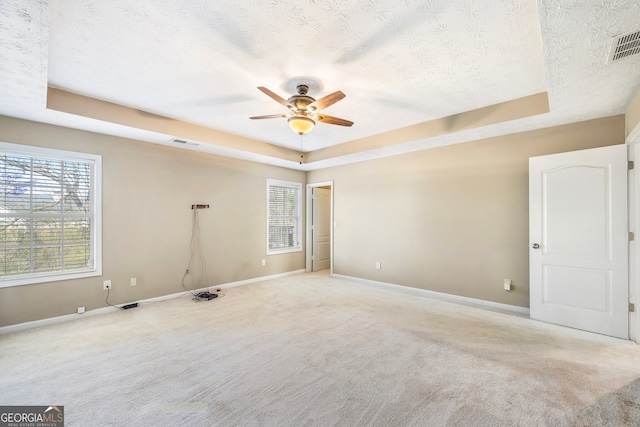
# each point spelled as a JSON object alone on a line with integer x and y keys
{"x": 301, "y": 100}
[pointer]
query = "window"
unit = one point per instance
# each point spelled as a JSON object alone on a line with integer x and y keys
{"x": 49, "y": 215}
{"x": 283, "y": 216}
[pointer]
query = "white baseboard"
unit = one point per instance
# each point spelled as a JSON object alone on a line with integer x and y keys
{"x": 52, "y": 320}
{"x": 260, "y": 279}
{"x": 67, "y": 317}
{"x": 440, "y": 295}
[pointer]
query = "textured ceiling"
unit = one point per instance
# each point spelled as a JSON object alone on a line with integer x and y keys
{"x": 400, "y": 63}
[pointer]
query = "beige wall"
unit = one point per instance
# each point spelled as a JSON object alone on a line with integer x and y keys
{"x": 632, "y": 117}
{"x": 451, "y": 219}
{"x": 148, "y": 191}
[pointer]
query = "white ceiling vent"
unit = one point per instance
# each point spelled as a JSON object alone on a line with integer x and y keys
{"x": 184, "y": 142}
{"x": 623, "y": 46}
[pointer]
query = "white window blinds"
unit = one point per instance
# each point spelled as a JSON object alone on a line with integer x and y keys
{"x": 284, "y": 213}
{"x": 49, "y": 227}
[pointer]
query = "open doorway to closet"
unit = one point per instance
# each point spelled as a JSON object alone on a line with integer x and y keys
{"x": 319, "y": 226}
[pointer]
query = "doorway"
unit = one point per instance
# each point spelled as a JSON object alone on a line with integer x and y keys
{"x": 319, "y": 227}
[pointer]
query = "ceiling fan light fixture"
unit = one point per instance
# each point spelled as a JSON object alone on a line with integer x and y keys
{"x": 301, "y": 125}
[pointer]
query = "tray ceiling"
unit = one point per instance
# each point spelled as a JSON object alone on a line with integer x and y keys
{"x": 413, "y": 71}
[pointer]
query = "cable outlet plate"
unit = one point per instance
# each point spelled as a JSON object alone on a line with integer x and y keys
{"x": 106, "y": 285}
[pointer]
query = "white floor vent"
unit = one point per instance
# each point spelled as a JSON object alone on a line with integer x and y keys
{"x": 623, "y": 46}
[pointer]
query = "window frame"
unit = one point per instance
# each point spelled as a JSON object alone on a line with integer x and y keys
{"x": 298, "y": 227}
{"x": 96, "y": 229}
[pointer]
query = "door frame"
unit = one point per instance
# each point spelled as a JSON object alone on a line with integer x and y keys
{"x": 309, "y": 235}
{"x": 633, "y": 142}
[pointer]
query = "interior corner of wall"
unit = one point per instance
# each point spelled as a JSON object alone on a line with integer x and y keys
{"x": 634, "y": 135}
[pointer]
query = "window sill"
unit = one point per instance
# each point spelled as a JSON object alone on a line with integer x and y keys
{"x": 9, "y": 282}
{"x": 284, "y": 251}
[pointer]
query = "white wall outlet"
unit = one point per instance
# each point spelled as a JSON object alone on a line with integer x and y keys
{"x": 134, "y": 281}
{"x": 106, "y": 285}
{"x": 264, "y": 262}
{"x": 378, "y": 265}
{"x": 81, "y": 309}
{"x": 507, "y": 284}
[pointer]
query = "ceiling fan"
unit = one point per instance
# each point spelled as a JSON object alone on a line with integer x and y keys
{"x": 304, "y": 109}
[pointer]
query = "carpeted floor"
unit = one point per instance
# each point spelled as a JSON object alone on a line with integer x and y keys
{"x": 313, "y": 350}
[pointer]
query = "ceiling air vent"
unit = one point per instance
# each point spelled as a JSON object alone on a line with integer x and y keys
{"x": 184, "y": 142}
{"x": 623, "y": 46}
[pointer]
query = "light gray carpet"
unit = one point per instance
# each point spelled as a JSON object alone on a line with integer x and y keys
{"x": 312, "y": 350}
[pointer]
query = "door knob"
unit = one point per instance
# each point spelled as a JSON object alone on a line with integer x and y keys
{"x": 535, "y": 246}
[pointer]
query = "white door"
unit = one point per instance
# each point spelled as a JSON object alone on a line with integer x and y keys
{"x": 579, "y": 241}
{"x": 321, "y": 229}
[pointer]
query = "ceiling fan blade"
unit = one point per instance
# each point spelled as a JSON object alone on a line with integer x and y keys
{"x": 276, "y": 97}
{"x": 326, "y": 101}
{"x": 270, "y": 116}
{"x": 332, "y": 120}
